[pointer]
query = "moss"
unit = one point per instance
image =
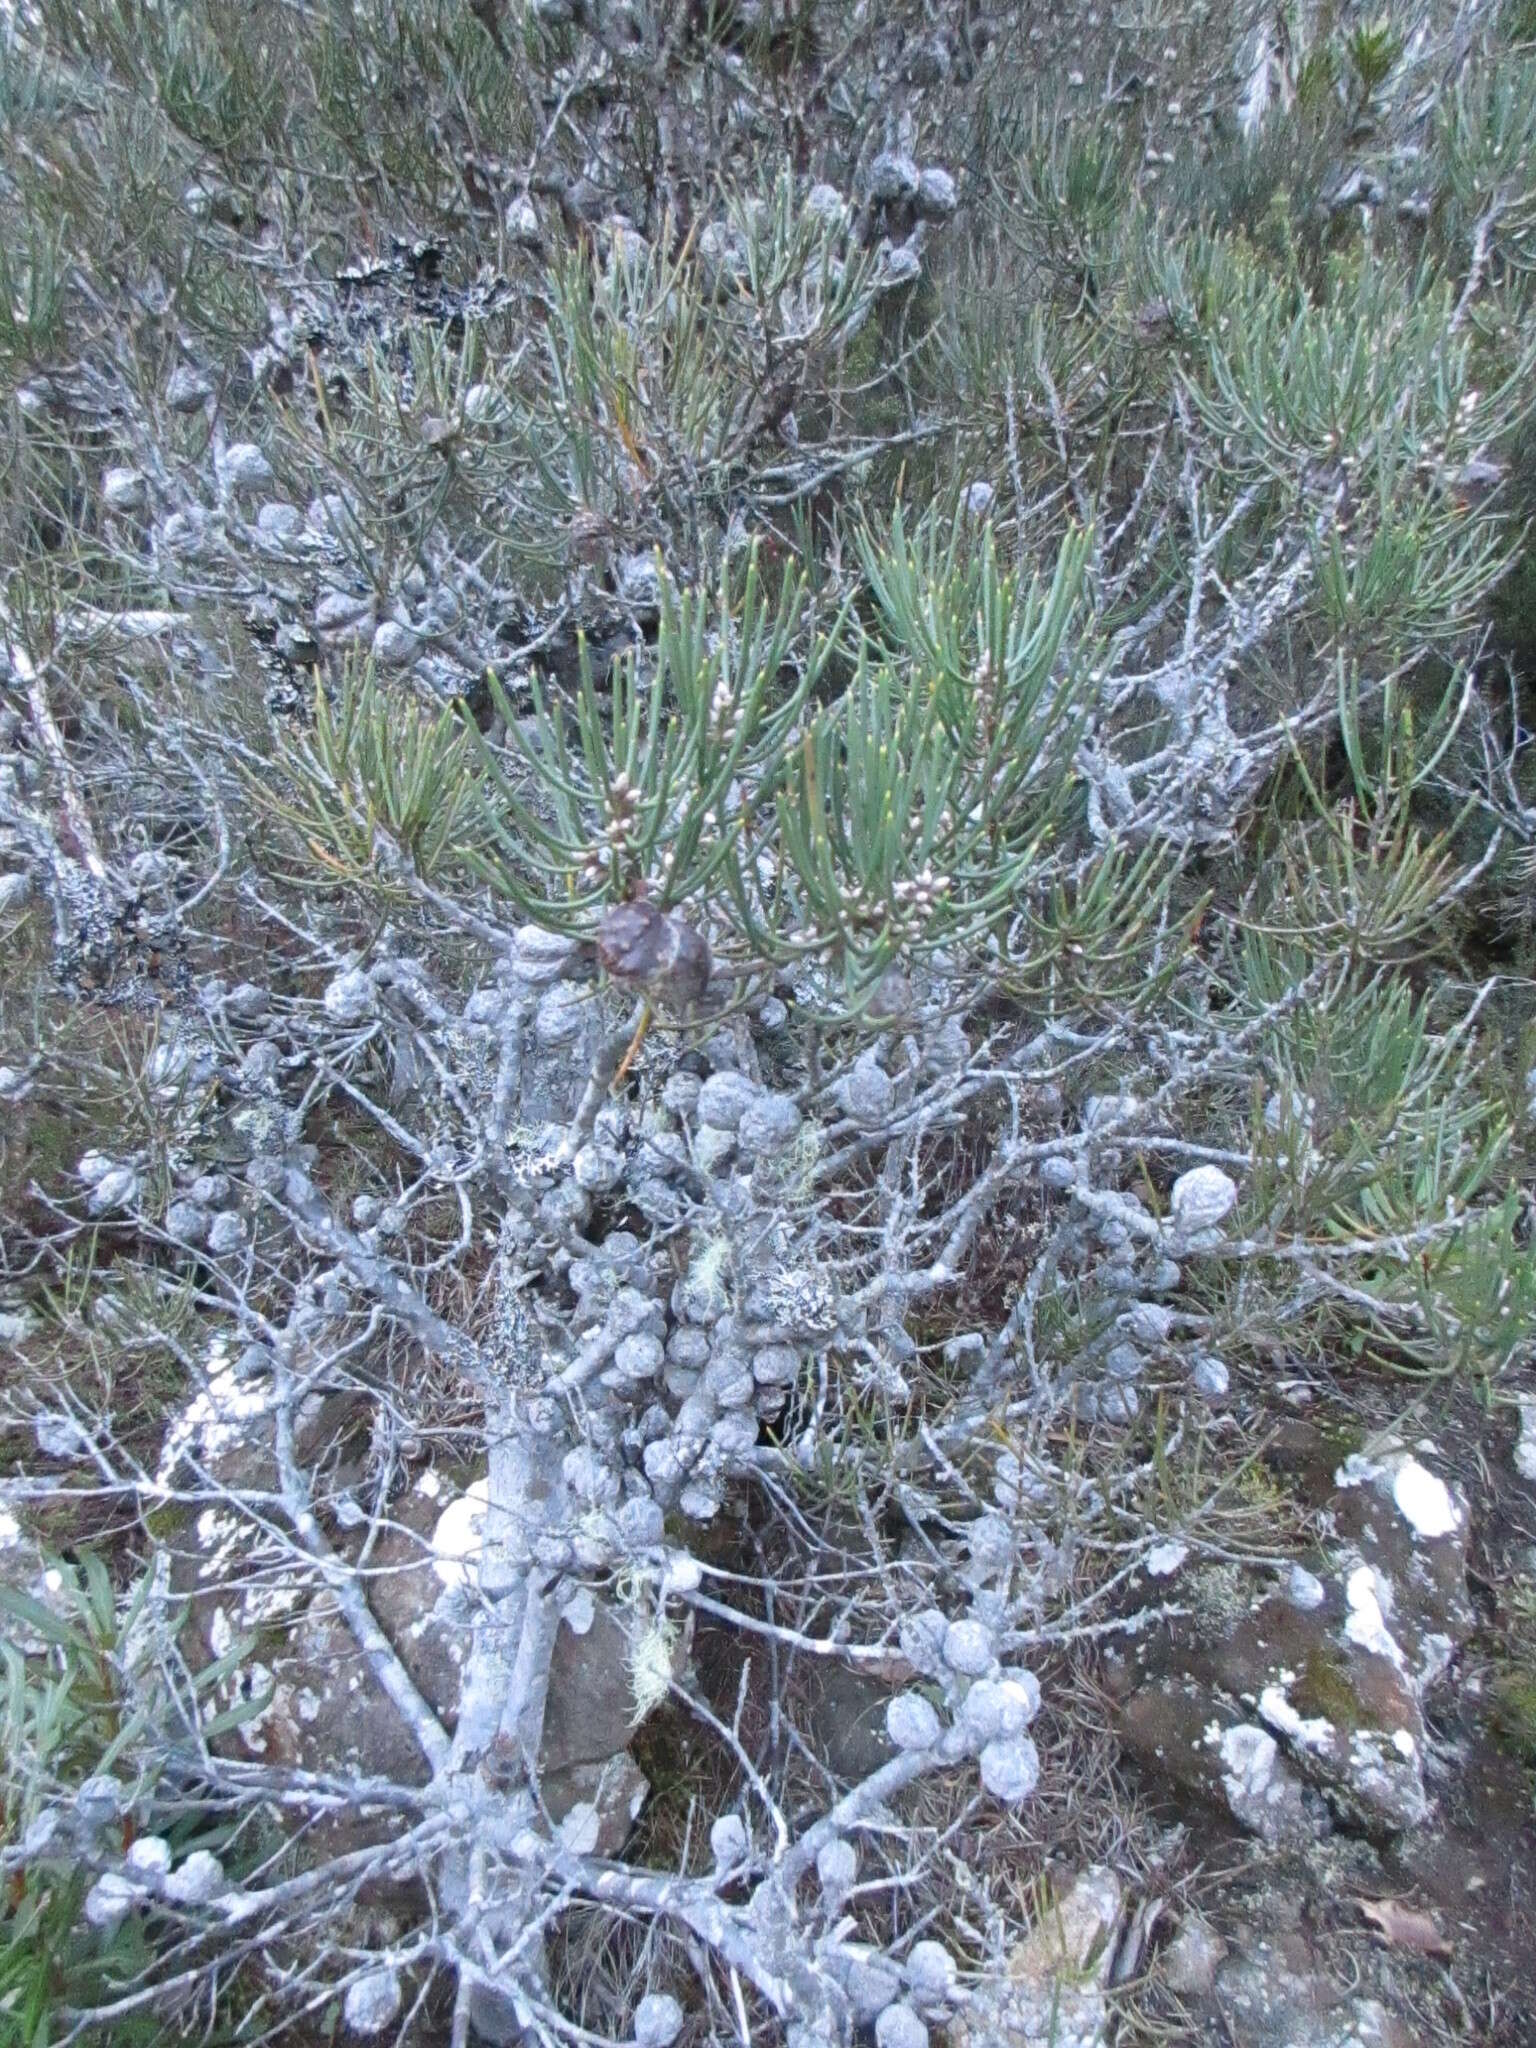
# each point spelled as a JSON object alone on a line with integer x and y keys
{"x": 1324, "y": 1691}
{"x": 1512, "y": 1713}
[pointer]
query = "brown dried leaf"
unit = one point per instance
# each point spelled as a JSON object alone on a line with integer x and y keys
{"x": 1403, "y": 1926}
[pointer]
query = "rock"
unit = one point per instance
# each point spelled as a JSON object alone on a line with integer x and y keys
{"x": 1260, "y": 1791}
{"x": 1334, "y": 1665}
{"x": 1345, "y": 1712}
{"x": 1186, "y": 1730}
{"x": 1192, "y": 1958}
{"x": 1274, "y": 1995}
{"x": 846, "y": 1720}
{"x": 1304, "y": 1589}
{"x": 327, "y": 1712}
{"x": 1074, "y": 1934}
{"x": 591, "y": 1711}
{"x": 1052, "y": 1992}
{"x": 1374, "y": 1771}
{"x": 613, "y": 1792}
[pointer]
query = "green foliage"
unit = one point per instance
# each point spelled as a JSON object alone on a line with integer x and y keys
{"x": 80, "y": 1699}
{"x": 667, "y": 786}
{"x": 1367, "y": 370}
{"x": 1374, "y": 48}
{"x": 910, "y": 811}
{"x": 376, "y": 782}
{"x": 1411, "y": 569}
{"x": 925, "y": 799}
{"x": 1486, "y": 138}
{"x": 1072, "y": 195}
{"x": 32, "y": 266}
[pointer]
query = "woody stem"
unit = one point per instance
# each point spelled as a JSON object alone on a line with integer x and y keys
{"x": 633, "y": 1048}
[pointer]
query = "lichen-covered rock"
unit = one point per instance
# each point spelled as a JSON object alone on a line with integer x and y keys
{"x": 1188, "y": 1731}
{"x": 1276, "y": 1996}
{"x": 1051, "y": 1992}
{"x": 1329, "y": 1671}
{"x": 1189, "y": 1964}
